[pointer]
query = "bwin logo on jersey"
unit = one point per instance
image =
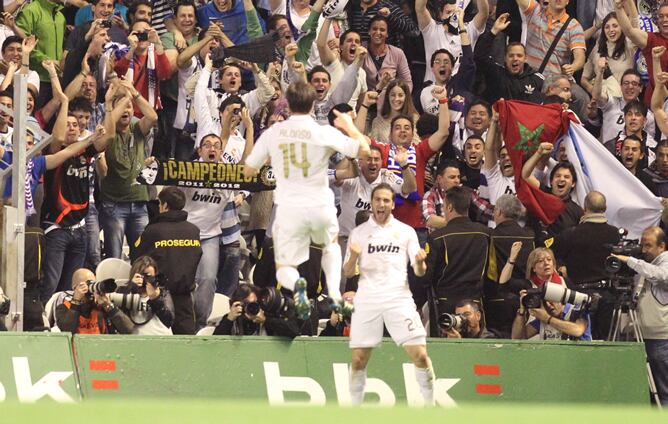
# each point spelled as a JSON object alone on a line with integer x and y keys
{"x": 389, "y": 248}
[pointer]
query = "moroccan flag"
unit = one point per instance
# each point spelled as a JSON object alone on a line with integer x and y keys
{"x": 524, "y": 126}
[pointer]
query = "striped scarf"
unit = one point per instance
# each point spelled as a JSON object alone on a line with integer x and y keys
{"x": 30, "y": 206}
{"x": 152, "y": 77}
{"x": 395, "y": 168}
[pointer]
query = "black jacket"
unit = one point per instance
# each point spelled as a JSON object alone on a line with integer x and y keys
{"x": 582, "y": 249}
{"x": 273, "y": 325}
{"x": 526, "y": 86}
{"x": 174, "y": 244}
{"x": 457, "y": 259}
{"x": 502, "y": 239}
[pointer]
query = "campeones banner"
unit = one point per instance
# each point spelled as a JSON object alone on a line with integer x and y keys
{"x": 205, "y": 175}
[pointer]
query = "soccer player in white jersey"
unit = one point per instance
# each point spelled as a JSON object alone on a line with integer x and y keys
{"x": 382, "y": 247}
{"x": 300, "y": 149}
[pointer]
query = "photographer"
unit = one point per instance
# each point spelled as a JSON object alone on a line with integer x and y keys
{"x": 83, "y": 312}
{"x": 652, "y": 290}
{"x": 472, "y": 327}
{"x": 247, "y": 318}
{"x": 552, "y": 321}
{"x": 145, "y": 300}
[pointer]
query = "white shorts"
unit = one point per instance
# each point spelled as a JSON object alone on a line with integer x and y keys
{"x": 400, "y": 317}
{"x": 295, "y": 228}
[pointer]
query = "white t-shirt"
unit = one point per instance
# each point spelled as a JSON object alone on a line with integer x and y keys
{"x": 386, "y": 251}
{"x": 613, "y": 119}
{"x": 184, "y": 105}
{"x": 437, "y": 37}
{"x": 497, "y": 184}
{"x": 6, "y": 139}
{"x": 205, "y": 209}
{"x": 33, "y": 79}
{"x": 336, "y": 70}
{"x": 356, "y": 196}
{"x": 300, "y": 149}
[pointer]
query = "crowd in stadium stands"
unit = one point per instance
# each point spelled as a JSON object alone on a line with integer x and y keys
{"x": 120, "y": 85}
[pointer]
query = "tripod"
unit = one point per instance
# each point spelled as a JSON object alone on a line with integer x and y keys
{"x": 626, "y": 303}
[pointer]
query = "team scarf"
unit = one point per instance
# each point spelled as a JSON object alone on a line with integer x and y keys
{"x": 395, "y": 168}
{"x": 152, "y": 77}
{"x": 554, "y": 278}
{"x": 30, "y": 206}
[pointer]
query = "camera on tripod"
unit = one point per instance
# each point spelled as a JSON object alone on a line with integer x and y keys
{"x": 558, "y": 293}
{"x": 626, "y": 247}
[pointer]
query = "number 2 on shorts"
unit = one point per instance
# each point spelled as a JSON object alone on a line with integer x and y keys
{"x": 290, "y": 157}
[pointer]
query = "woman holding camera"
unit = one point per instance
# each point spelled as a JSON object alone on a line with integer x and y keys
{"x": 552, "y": 320}
{"x": 145, "y": 300}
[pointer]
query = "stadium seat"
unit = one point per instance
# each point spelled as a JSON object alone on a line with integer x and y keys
{"x": 114, "y": 268}
{"x": 50, "y": 310}
{"x": 221, "y": 306}
{"x": 206, "y": 331}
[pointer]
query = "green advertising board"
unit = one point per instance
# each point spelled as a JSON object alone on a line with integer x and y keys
{"x": 315, "y": 370}
{"x": 37, "y": 366}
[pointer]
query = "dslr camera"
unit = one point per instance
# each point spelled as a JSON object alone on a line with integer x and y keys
{"x": 130, "y": 302}
{"x": 102, "y": 287}
{"x": 272, "y": 302}
{"x": 454, "y": 322}
{"x": 558, "y": 293}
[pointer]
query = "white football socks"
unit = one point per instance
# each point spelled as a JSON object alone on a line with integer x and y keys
{"x": 425, "y": 379}
{"x": 357, "y": 383}
{"x": 331, "y": 263}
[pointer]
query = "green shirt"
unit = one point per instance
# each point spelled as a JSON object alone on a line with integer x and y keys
{"x": 125, "y": 158}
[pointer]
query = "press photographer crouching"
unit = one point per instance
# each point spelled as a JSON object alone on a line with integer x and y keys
{"x": 547, "y": 308}
{"x": 89, "y": 310}
{"x": 259, "y": 312}
{"x": 465, "y": 323}
{"x": 146, "y": 300}
{"x": 652, "y": 303}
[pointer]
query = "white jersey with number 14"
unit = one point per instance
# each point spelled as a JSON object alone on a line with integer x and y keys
{"x": 299, "y": 149}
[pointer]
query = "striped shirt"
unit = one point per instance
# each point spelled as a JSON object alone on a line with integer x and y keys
{"x": 542, "y": 28}
{"x": 399, "y": 23}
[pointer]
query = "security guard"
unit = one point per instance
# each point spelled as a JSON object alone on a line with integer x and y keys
{"x": 456, "y": 255}
{"x": 174, "y": 244}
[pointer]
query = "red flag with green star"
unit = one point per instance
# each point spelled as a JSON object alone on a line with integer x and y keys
{"x": 524, "y": 126}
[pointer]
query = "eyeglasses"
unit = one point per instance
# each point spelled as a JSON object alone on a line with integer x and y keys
{"x": 631, "y": 84}
{"x": 216, "y": 146}
{"x": 441, "y": 62}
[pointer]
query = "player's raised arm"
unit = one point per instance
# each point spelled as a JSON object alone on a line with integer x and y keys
{"x": 350, "y": 266}
{"x": 420, "y": 264}
{"x": 345, "y": 123}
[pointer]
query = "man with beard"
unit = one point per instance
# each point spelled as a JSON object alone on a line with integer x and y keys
{"x": 635, "y": 119}
{"x": 512, "y": 80}
{"x": 356, "y": 189}
{"x": 562, "y": 182}
{"x": 655, "y": 177}
{"x": 478, "y": 115}
{"x": 473, "y": 152}
{"x": 631, "y": 155}
{"x": 383, "y": 247}
{"x": 497, "y": 176}
{"x": 613, "y": 107}
{"x": 448, "y": 175}
{"x": 123, "y": 210}
{"x": 349, "y": 42}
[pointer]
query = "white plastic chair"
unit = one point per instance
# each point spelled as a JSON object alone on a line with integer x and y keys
{"x": 221, "y": 306}
{"x": 206, "y": 331}
{"x": 50, "y": 311}
{"x": 114, "y": 268}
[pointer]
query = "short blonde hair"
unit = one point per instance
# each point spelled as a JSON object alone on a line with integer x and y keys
{"x": 535, "y": 256}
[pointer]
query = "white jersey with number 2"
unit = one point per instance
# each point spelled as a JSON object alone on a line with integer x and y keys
{"x": 300, "y": 149}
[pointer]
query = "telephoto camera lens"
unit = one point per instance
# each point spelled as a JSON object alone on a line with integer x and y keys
{"x": 451, "y": 321}
{"x": 102, "y": 287}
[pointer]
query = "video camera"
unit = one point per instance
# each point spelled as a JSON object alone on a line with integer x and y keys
{"x": 553, "y": 292}
{"x": 454, "y": 322}
{"x": 627, "y": 247}
{"x": 102, "y": 287}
